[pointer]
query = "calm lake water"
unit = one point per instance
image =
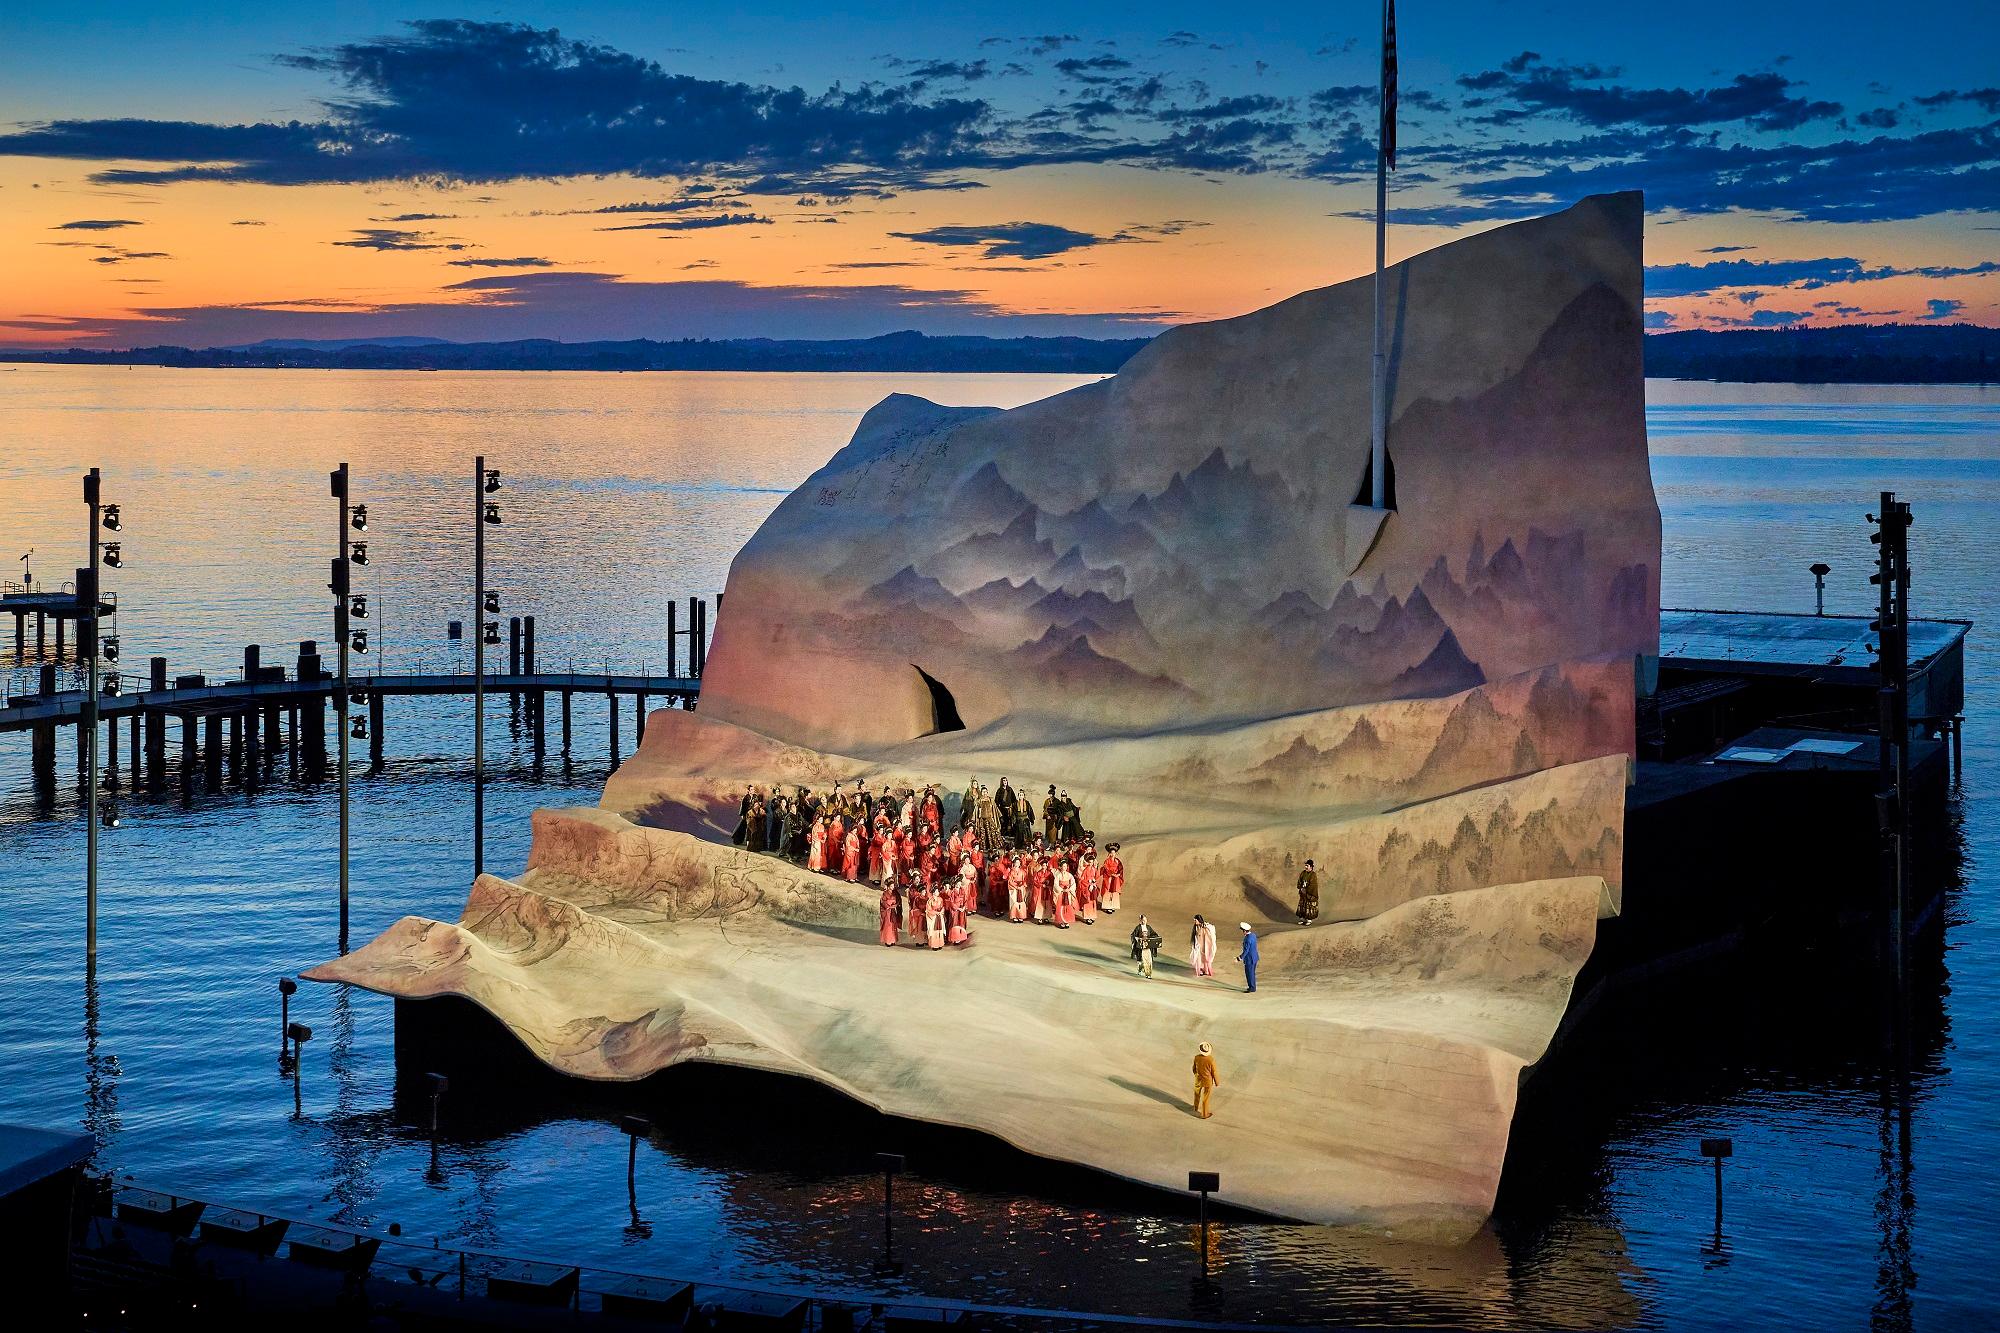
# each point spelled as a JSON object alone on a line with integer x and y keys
{"x": 625, "y": 491}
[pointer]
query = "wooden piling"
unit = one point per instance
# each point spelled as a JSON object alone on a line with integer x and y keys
{"x": 135, "y": 750}
{"x": 187, "y": 756}
{"x": 156, "y": 731}
{"x": 60, "y": 623}
{"x": 41, "y": 634}
{"x": 638, "y": 721}
{"x": 565, "y": 730}
{"x": 292, "y": 746}
{"x": 212, "y": 759}
{"x": 375, "y": 729}
{"x": 111, "y": 751}
{"x": 673, "y": 638}
{"x": 612, "y": 700}
{"x": 236, "y": 747}
{"x": 274, "y": 742}
{"x": 253, "y": 757}
{"x": 514, "y": 663}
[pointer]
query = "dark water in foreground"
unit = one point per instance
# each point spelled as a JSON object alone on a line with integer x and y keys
{"x": 626, "y": 490}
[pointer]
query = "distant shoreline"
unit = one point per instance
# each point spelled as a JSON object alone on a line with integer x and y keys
{"x": 1857, "y": 354}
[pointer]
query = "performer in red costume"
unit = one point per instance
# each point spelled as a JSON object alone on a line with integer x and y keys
{"x": 1064, "y": 897}
{"x": 1038, "y": 890}
{"x": 1112, "y": 880}
{"x": 934, "y": 919}
{"x": 960, "y": 907}
{"x": 816, "y": 846}
{"x": 1086, "y": 887}
{"x": 1017, "y": 890}
{"x": 876, "y": 845}
{"x": 891, "y": 905}
{"x": 850, "y": 857}
{"x": 996, "y": 884}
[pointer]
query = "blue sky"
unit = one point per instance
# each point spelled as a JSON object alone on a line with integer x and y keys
{"x": 179, "y": 174}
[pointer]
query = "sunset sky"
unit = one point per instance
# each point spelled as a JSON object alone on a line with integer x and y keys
{"x": 218, "y": 174}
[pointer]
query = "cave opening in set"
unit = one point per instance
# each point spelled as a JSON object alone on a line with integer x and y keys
{"x": 944, "y": 708}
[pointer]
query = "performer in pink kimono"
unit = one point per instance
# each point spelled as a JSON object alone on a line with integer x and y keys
{"x": 850, "y": 857}
{"x": 1017, "y": 890}
{"x": 836, "y": 843}
{"x": 1038, "y": 889}
{"x": 934, "y": 919}
{"x": 1065, "y": 896}
{"x": 1201, "y": 948}
{"x": 913, "y": 904}
{"x": 816, "y": 846}
{"x": 890, "y": 907}
{"x": 1111, "y": 880}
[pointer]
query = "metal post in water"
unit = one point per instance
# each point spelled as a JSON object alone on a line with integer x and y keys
{"x": 88, "y": 599}
{"x": 478, "y": 666}
{"x": 340, "y": 626}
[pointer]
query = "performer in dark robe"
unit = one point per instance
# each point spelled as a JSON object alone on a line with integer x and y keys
{"x": 1052, "y": 818}
{"x": 1308, "y": 894}
{"x": 753, "y": 833}
{"x": 742, "y": 830}
{"x": 798, "y": 827}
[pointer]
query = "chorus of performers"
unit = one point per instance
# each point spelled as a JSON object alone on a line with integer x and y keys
{"x": 940, "y": 861}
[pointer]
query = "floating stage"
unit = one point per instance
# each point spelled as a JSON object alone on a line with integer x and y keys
{"x": 1159, "y": 592}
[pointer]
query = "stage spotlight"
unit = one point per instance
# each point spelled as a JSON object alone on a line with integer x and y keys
{"x": 492, "y": 480}
{"x": 358, "y": 641}
{"x": 492, "y": 603}
{"x": 114, "y": 554}
{"x": 358, "y": 729}
{"x": 358, "y": 605}
{"x": 108, "y": 810}
{"x": 112, "y": 522}
{"x": 109, "y": 647}
{"x": 359, "y": 518}
{"x": 358, "y": 553}
{"x": 492, "y": 511}
{"x": 492, "y": 631}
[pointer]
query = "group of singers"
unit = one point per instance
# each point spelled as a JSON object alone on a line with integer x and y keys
{"x": 934, "y": 881}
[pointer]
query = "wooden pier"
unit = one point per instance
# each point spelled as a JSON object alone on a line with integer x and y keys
{"x": 274, "y": 718}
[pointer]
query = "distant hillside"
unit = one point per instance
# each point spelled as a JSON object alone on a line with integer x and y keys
{"x": 891, "y": 352}
{"x": 1850, "y": 354}
{"x": 1855, "y": 354}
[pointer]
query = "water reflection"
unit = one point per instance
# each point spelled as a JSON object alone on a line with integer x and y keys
{"x": 100, "y": 1071}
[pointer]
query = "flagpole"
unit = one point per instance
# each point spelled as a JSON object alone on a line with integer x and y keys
{"x": 1379, "y": 416}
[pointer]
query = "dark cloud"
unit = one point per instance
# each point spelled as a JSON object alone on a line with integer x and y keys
{"x": 1181, "y": 37}
{"x": 391, "y": 238}
{"x": 1527, "y": 85}
{"x": 456, "y": 100}
{"x": 700, "y": 222}
{"x": 1881, "y": 118}
{"x": 1228, "y": 108}
{"x": 418, "y": 217}
{"x": 1050, "y": 42}
{"x": 1885, "y": 178}
{"x": 1668, "y": 280}
{"x": 1726, "y": 249}
{"x": 118, "y": 256}
{"x": 96, "y": 224}
{"x": 1659, "y": 319}
{"x": 248, "y": 222}
{"x": 1942, "y": 309}
{"x": 1009, "y": 240}
{"x": 925, "y": 72}
{"x": 523, "y": 262}
{"x": 579, "y": 306}
{"x": 1093, "y": 69}
{"x": 1986, "y": 99}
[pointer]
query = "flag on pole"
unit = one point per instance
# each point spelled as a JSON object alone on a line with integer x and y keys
{"x": 1389, "y": 83}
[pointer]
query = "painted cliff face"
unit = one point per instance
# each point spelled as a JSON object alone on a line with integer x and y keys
{"x": 1177, "y": 545}
{"x": 1156, "y": 591}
